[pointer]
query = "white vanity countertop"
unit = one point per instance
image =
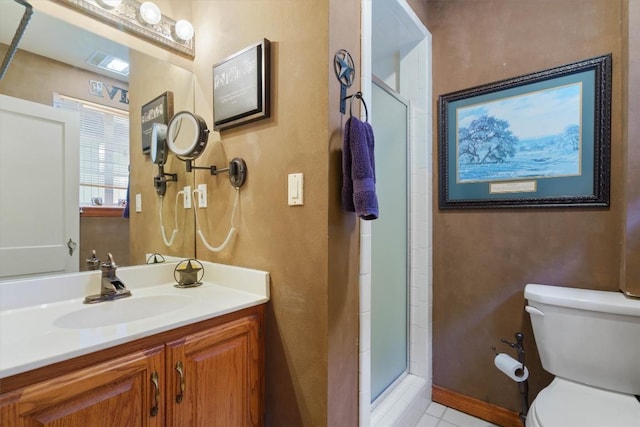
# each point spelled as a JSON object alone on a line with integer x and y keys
{"x": 44, "y": 320}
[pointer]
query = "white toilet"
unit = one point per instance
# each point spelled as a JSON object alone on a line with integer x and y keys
{"x": 590, "y": 341}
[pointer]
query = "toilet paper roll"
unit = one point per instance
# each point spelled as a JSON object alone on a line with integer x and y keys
{"x": 511, "y": 367}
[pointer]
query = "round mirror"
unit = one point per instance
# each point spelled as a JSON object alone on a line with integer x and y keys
{"x": 187, "y": 135}
{"x": 159, "y": 143}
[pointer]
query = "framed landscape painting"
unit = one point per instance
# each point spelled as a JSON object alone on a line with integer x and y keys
{"x": 539, "y": 140}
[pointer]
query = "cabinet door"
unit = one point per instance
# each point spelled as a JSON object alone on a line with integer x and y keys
{"x": 116, "y": 393}
{"x": 214, "y": 377}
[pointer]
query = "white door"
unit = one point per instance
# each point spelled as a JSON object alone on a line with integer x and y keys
{"x": 39, "y": 160}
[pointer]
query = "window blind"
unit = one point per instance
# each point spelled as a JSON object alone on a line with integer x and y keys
{"x": 104, "y": 151}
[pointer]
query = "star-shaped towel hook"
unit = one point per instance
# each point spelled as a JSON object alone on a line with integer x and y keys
{"x": 345, "y": 71}
{"x": 343, "y": 66}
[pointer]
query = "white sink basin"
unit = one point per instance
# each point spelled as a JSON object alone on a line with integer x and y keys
{"x": 123, "y": 310}
{"x": 49, "y": 310}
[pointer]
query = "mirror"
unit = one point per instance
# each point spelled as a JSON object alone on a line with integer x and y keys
{"x": 51, "y": 45}
{"x": 187, "y": 135}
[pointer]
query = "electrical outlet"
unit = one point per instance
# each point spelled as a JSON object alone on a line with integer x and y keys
{"x": 202, "y": 195}
{"x": 187, "y": 197}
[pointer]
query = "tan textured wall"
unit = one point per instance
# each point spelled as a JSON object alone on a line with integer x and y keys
{"x": 104, "y": 235}
{"x": 311, "y": 250}
{"x": 483, "y": 259}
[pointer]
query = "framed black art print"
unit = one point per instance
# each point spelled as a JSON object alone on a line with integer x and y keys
{"x": 539, "y": 140}
{"x": 158, "y": 110}
{"x": 241, "y": 87}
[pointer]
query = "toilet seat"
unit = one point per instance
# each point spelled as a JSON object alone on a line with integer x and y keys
{"x": 566, "y": 403}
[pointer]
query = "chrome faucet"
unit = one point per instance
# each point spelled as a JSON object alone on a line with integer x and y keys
{"x": 111, "y": 286}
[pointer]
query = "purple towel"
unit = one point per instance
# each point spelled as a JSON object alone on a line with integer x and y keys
{"x": 358, "y": 170}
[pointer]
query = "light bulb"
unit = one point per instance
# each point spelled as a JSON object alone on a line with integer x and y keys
{"x": 184, "y": 30}
{"x": 150, "y": 13}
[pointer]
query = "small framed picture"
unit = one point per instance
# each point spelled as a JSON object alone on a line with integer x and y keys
{"x": 241, "y": 85}
{"x": 158, "y": 110}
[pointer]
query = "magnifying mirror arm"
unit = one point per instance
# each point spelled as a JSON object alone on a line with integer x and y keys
{"x": 190, "y": 167}
{"x": 213, "y": 169}
{"x": 237, "y": 170}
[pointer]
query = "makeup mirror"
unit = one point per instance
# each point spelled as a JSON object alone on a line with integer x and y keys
{"x": 187, "y": 135}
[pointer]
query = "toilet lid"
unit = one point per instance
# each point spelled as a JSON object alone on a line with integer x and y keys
{"x": 568, "y": 404}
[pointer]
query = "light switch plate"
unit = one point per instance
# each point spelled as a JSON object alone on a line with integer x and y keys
{"x": 296, "y": 189}
{"x": 138, "y": 202}
{"x": 202, "y": 195}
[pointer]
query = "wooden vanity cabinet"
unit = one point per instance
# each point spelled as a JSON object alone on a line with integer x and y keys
{"x": 114, "y": 393}
{"x": 220, "y": 382}
{"x": 215, "y": 377}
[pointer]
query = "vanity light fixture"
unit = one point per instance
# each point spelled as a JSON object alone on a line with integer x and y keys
{"x": 144, "y": 20}
{"x": 150, "y": 13}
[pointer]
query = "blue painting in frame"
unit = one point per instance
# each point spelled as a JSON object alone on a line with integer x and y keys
{"x": 539, "y": 140}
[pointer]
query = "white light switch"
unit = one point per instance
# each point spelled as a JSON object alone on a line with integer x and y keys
{"x": 296, "y": 189}
{"x": 138, "y": 202}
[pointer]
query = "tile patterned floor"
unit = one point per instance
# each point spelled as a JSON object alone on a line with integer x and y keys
{"x": 438, "y": 415}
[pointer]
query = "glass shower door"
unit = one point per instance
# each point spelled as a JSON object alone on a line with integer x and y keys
{"x": 389, "y": 241}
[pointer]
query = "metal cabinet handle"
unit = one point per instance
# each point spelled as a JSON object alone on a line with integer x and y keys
{"x": 156, "y": 406}
{"x": 180, "y": 370}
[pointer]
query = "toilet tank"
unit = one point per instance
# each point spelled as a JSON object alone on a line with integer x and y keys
{"x": 588, "y": 336}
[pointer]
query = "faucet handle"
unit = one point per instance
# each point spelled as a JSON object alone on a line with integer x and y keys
{"x": 93, "y": 263}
